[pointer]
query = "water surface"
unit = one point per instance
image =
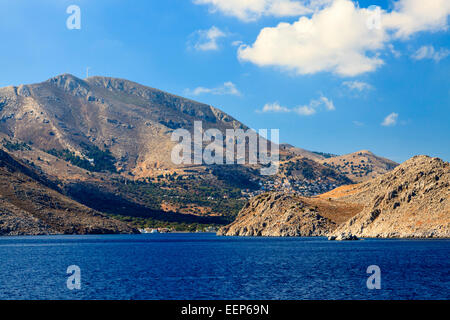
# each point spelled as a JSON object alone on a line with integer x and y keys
{"x": 204, "y": 266}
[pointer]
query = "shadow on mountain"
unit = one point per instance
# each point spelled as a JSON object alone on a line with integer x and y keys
{"x": 108, "y": 202}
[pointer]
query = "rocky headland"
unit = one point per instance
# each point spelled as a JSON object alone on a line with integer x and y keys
{"x": 412, "y": 201}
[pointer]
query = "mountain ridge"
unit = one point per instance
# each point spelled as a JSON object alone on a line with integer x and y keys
{"x": 110, "y": 138}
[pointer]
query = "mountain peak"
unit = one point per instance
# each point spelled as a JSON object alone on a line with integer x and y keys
{"x": 364, "y": 152}
{"x": 64, "y": 76}
{"x": 422, "y": 161}
{"x": 69, "y": 83}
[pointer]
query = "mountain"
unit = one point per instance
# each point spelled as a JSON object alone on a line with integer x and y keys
{"x": 288, "y": 215}
{"x": 304, "y": 176}
{"x": 411, "y": 201}
{"x": 290, "y": 151}
{"x": 359, "y": 166}
{"x": 121, "y": 123}
{"x": 107, "y": 143}
{"x": 30, "y": 204}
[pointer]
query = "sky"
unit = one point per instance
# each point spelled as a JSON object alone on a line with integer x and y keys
{"x": 335, "y": 76}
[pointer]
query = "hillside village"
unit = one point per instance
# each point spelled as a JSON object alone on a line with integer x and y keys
{"x": 303, "y": 187}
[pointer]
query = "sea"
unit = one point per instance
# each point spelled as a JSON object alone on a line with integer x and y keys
{"x": 198, "y": 266}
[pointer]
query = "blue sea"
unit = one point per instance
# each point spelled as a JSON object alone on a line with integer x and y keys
{"x": 204, "y": 266}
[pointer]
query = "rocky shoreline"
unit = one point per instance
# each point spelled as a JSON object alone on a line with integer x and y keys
{"x": 410, "y": 202}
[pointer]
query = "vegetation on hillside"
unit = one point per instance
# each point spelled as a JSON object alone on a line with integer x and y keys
{"x": 15, "y": 146}
{"x": 325, "y": 154}
{"x": 218, "y": 197}
{"x": 95, "y": 159}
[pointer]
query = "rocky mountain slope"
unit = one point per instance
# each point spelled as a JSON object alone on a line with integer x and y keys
{"x": 111, "y": 139}
{"x": 290, "y": 151}
{"x": 359, "y": 166}
{"x": 412, "y": 201}
{"x": 120, "y": 125}
{"x": 108, "y": 141}
{"x": 281, "y": 215}
{"x": 30, "y": 204}
{"x": 299, "y": 168}
{"x": 124, "y": 118}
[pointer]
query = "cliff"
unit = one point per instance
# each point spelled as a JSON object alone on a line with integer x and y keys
{"x": 412, "y": 201}
{"x": 281, "y": 215}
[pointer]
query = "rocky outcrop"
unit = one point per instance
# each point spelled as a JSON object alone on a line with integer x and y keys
{"x": 412, "y": 201}
{"x": 360, "y": 166}
{"x": 343, "y": 237}
{"x": 282, "y": 215}
{"x": 30, "y": 204}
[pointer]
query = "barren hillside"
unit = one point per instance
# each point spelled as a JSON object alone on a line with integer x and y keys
{"x": 30, "y": 204}
{"x": 360, "y": 166}
{"x": 279, "y": 215}
{"x": 412, "y": 201}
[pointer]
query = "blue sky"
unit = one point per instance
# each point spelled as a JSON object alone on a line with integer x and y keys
{"x": 335, "y": 76}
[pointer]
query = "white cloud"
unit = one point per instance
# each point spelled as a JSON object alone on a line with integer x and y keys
{"x": 357, "y": 85}
{"x": 343, "y": 38}
{"x": 334, "y": 39}
{"x": 390, "y": 120}
{"x": 307, "y": 110}
{"x": 275, "y": 107}
{"x": 326, "y": 102}
{"x": 428, "y": 52}
{"x": 206, "y": 40}
{"x": 304, "y": 110}
{"x": 394, "y": 52}
{"x": 228, "y": 88}
{"x": 251, "y": 10}
{"x": 358, "y": 123}
{"x": 411, "y": 16}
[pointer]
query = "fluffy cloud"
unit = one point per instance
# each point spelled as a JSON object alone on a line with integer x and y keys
{"x": 428, "y": 52}
{"x": 390, "y": 120}
{"x": 251, "y": 10}
{"x": 206, "y": 40}
{"x": 343, "y": 38}
{"x": 228, "y": 88}
{"x": 274, "y": 107}
{"x": 411, "y": 16}
{"x": 357, "y": 85}
{"x": 335, "y": 39}
{"x": 304, "y": 110}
